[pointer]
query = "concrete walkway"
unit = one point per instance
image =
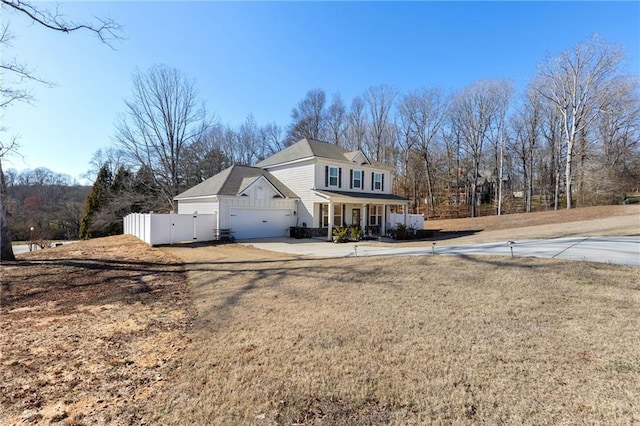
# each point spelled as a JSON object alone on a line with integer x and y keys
{"x": 617, "y": 250}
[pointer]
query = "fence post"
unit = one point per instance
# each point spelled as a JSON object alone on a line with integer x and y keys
{"x": 195, "y": 226}
{"x": 171, "y": 228}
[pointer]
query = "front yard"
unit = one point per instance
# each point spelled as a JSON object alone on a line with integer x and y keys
{"x": 109, "y": 332}
{"x": 402, "y": 340}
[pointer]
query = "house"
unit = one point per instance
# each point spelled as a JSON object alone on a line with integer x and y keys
{"x": 310, "y": 184}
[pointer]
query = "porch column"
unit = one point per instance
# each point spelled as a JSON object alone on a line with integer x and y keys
{"x": 363, "y": 217}
{"x": 330, "y": 230}
{"x": 383, "y": 225}
{"x": 404, "y": 211}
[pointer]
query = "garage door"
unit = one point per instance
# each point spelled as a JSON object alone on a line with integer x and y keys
{"x": 259, "y": 223}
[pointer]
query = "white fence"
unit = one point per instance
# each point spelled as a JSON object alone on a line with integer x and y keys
{"x": 154, "y": 229}
{"x": 415, "y": 221}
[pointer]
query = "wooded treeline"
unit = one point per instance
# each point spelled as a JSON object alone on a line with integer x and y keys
{"x": 49, "y": 202}
{"x": 571, "y": 138}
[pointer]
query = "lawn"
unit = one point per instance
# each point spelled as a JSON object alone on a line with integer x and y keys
{"x": 405, "y": 340}
{"x": 110, "y": 331}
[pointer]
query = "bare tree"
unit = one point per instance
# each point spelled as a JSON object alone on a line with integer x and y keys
{"x": 309, "y": 116}
{"x": 425, "y": 111}
{"x": 576, "y": 82}
{"x": 336, "y": 120}
{"x": 473, "y": 113}
{"x": 380, "y": 100}
{"x": 525, "y": 127}
{"x": 272, "y": 139}
{"x": 13, "y": 75}
{"x": 248, "y": 142}
{"x": 503, "y": 91}
{"x": 162, "y": 119}
{"x": 205, "y": 157}
{"x": 358, "y": 124}
{"x": 618, "y": 130}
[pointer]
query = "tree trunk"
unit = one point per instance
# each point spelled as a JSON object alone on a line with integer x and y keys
{"x": 474, "y": 186}
{"x": 432, "y": 206}
{"x": 6, "y": 249}
{"x": 500, "y": 175}
{"x": 567, "y": 174}
{"x": 529, "y": 179}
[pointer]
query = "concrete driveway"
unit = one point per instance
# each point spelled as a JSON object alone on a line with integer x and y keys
{"x": 617, "y": 250}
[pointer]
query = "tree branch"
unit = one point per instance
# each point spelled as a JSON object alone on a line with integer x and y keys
{"x": 107, "y": 30}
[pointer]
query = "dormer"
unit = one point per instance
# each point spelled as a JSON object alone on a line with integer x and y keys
{"x": 357, "y": 157}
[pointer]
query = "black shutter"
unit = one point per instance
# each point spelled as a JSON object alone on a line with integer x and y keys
{"x": 340, "y": 177}
{"x": 382, "y": 184}
{"x": 361, "y": 179}
{"x": 372, "y": 177}
{"x": 351, "y": 179}
{"x": 326, "y": 176}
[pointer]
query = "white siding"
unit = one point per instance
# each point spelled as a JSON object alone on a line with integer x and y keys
{"x": 204, "y": 206}
{"x": 301, "y": 180}
{"x": 304, "y": 177}
{"x": 346, "y": 175}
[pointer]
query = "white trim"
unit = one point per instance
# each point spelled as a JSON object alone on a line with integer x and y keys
{"x": 248, "y": 187}
{"x": 199, "y": 197}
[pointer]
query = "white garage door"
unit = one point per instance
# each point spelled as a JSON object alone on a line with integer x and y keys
{"x": 259, "y": 223}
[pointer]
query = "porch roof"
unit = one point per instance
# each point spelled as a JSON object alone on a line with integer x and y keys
{"x": 361, "y": 197}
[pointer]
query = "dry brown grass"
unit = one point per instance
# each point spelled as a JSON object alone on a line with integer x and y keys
{"x": 89, "y": 332}
{"x": 99, "y": 333}
{"x": 407, "y": 340}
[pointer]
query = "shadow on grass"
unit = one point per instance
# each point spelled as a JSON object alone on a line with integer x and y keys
{"x": 290, "y": 276}
{"x": 450, "y": 235}
{"x": 87, "y": 281}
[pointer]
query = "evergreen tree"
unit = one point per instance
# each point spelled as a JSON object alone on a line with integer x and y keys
{"x": 97, "y": 199}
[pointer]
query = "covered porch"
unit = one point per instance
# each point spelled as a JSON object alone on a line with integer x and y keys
{"x": 368, "y": 212}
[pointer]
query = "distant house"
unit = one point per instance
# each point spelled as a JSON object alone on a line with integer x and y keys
{"x": 310, "y": 184}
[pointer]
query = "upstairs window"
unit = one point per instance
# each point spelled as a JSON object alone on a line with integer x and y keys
{"x": 333, "y": 176}
{"x": 377, "y": 181}
{"x": 356, "y": 179}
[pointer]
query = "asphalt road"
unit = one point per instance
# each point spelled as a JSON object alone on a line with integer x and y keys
{"x": 616, "y": 250}
{"x": 24, "y": 248}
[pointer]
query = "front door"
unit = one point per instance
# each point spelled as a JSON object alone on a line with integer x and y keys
{"x": 355, "y": 217}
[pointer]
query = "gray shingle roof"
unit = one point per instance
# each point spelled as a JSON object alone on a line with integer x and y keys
{"x": 308, "y": 148}
{"x": 231, "y": 181}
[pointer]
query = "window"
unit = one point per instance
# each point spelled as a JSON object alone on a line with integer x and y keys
{"x": 377, "y": 181}
{"x": 375, "y": 215}
{"x": 337, "y": 215}
{"x": 356, "y": 181}
{"x": 325, "y": 215}
{"x": 333, "y": 176}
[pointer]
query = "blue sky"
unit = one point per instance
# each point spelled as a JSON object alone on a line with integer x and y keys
{"x": 263, "y": 57}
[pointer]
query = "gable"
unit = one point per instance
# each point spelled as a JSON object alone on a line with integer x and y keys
{"x": 233, "y": 181}
{"x": 259, "y": 188}
{"x": 357, "y": 157}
